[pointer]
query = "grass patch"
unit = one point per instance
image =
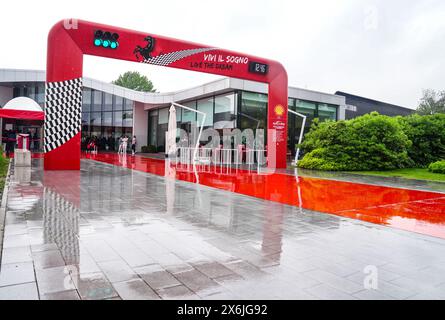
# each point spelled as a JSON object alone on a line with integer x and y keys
{"x": 4, "y": 163}
{"x": 416, "y": 173}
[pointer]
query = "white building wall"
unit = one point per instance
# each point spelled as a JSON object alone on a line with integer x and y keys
{"x": 341, "y": 114}
{"x": 140, "y": 125}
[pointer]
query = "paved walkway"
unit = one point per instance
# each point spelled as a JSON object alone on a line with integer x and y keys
{"x": 110, "y": 232}
{"x": 403, "y": 208}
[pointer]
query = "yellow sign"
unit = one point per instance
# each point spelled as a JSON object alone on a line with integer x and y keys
{"x": 279, "y": 110}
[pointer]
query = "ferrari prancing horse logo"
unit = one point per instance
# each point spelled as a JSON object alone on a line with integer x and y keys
{"x": 146, "y": 51}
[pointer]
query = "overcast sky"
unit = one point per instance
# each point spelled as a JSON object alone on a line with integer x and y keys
{"x": 386, "y": 50}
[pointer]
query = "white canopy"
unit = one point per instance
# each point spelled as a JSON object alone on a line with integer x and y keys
{"x": 23, "y": 104}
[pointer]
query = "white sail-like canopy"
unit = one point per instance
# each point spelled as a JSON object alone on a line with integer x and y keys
{"x": 23, "y": 103}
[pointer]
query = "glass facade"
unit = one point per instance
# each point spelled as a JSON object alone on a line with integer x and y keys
{"x": 252, "y": 111}
{"x": 311, "y": 110}
{"x": 35, "y": 91}
{"x": 220, "y": 113}
{"x": 239, "y": 109}
{"x": 107, "y": 117}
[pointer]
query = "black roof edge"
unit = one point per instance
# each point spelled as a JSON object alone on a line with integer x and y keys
{"x": 345, "y": 94}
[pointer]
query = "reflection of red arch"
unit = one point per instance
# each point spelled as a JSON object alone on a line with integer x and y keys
{"x": 68, "y": 42}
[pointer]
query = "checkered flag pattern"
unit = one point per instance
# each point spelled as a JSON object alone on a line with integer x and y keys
{"x": 61, "y": 225}
{"x": 63, "y": 110}
{"x": 168, "y": 58}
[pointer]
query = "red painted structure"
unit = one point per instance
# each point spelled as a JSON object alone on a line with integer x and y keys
{"x": 21, "y": 114}
{"x": 68, "y": 42}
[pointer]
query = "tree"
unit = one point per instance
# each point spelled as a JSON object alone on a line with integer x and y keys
{"x": 427, "y": 134}
{"x": 135, "y": 81}
{"x": 432, "y": 102}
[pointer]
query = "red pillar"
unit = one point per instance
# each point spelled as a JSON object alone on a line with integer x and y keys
{"x": 277, "y": 119}
{"x": 64, "y": 84}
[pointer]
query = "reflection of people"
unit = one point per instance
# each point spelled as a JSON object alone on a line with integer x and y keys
{"x": 133, "y": 145}
{"x": 124, "y": 144}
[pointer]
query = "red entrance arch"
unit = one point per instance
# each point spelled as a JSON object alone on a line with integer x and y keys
{"x": 69, "y": 40}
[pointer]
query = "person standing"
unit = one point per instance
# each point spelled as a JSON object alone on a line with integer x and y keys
{"x": 133, "y": 145}
{"x": 121, "y": 143}
{"x": 124, "y": 144}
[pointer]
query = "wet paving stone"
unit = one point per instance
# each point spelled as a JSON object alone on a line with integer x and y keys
{"x": 16, "y": 273}
{"x": 213, "y": 269}
{"x": 26, "y": 291}
{"x": 117, "y": 271}
{"x": 62, "y": 295}
{"x": 56, "y": 279}
{"x": 16, "y": 255}
{"x": 160, "y": 279}
{"x": 177, "y": 293}
{"x": 48, "y": 259}
{"x": 196, "y": 281}
{"x": 135, "y": 289}
{"x": 115, "y": 233}
{"x": 94, "y": 286}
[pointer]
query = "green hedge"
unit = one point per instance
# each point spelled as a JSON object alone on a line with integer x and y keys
{"x": 369, "y": 142}
{"x": 375, "y": 142}
{"x": 4, "y": 164}
{"x": 437, "y": 167}
{"x": 427, "y": 134}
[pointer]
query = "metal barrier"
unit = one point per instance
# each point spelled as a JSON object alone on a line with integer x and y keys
{"x": 218, "y": 156}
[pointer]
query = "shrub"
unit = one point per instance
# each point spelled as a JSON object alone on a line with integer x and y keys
{"x": 437, "y": 167}
{"x": 148, "y": 149}
{"x": 427, "y": 134}
{"x": 369, "y": 142}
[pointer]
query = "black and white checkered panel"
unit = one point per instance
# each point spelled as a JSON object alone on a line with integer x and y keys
{"x": 61, "y": 225}
{"x": 63, "y": 111}
{"x": 168, "y": 58}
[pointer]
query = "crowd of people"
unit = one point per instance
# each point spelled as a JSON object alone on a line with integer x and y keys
{"x": 9, "y": 140}
{"x": 94, "y": 144}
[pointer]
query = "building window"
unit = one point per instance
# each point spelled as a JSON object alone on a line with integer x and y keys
{"x": 117, "y": 118}
{"x": 162, "y": 128}
{"x": 85, "y": 124}
{"x": 108, "y": 102}
{"x": 86, "y": 100}
{"x": 153, "y": 127}
{"x": 118, "y": 103}
{"x": 32, "y": 92}
{"x": 96, "y": 124}
{"x": 40, "y": 94}
{"x": 128, "y": 105}
{"x": 127, "y": 119}
{"x": 306, "y": 108}
{"x": 253, "y": 111}
{"x": 97, "y": 101}
{"x": 205, "y": 106}
{"x": 107, "y": 119}
{"x": 327, "y": 112}
{"x": 163, "y": 116}
{"x": 187, "y": 115}
{"x": 225, "y": 111}
{"x": 16, "y": 92}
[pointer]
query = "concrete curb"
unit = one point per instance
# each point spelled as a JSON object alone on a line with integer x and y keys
{"x": 3, "y": 208}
